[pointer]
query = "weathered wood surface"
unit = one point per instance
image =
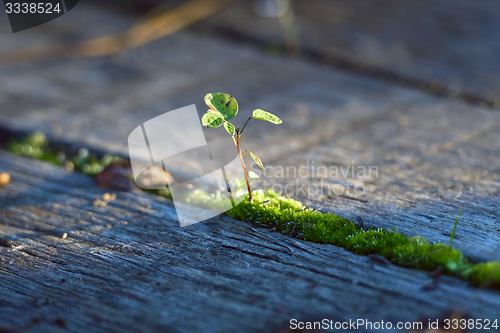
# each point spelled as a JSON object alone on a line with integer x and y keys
{"x": 129, "y": 266}
{"x": 434, "y": 155}
{"x": 434, "y": 159}
{"x": 439, "y": 43}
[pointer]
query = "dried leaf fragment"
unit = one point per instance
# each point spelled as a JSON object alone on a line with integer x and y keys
{"x": 117, "y": 175}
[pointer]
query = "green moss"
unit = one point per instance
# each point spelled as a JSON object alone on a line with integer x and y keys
{"x": 429, "y": 257}
{"x": 293, "y": 218}
{"x": 162, "y": 193}
{"x": 201, "y": 198}
{"x": 487, "y": 274}
{"x": 377, "y": 242}
{"x": 36, "y": 145}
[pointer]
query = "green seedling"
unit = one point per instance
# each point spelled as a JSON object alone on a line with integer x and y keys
{"x": 224, "y": 107}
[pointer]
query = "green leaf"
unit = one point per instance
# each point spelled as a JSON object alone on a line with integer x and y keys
{"x": 211, "y": 119}
{"x": 266, "y": 116}
{"x": 229, "y": 128}
{"x": 256, "y": 159}
{"x": 223, "y": 103}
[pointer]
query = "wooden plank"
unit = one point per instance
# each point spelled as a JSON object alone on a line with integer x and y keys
{"x": 425, "y": 148}
{"x": 130, "y": 266}
{"x": 433, "y": 158}
{"x": 435, "y": 45}
{"x": 434, "y": 155}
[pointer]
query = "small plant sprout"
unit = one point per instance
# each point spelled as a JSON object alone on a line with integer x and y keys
{"x": 224, "y": 107}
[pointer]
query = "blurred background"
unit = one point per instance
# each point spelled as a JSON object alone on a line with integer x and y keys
{"x": 158, "y": 53}
{"x": 444, "y": 47}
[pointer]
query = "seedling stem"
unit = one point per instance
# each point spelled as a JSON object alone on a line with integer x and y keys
{"x": 224, "y": 107}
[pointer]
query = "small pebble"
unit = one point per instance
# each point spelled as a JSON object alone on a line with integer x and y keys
{"x": 4, "y": 179}
{"x": 105, "y": 199}
{"x": 69, "y": 166}
{"x": 64, "y": 236}
{"x": 99, "y": 203}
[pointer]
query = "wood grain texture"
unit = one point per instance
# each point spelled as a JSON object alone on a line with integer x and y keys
{"x": 129, "y": 266}
{"x": 434, "y": 155}
{"x": 442, "y": 43}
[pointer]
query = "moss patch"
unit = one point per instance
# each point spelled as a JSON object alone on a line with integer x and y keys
{"x": 37, "y": 146}
{"x": 293, "y": 218}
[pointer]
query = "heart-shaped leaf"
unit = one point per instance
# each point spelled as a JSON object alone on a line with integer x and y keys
{"x": 256, "y": 159}
{"x": 212, "y": 119}
{"x": 229, "y": 128}
{"x": 266, "y": 116}
{"x": 223, "y": 103}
